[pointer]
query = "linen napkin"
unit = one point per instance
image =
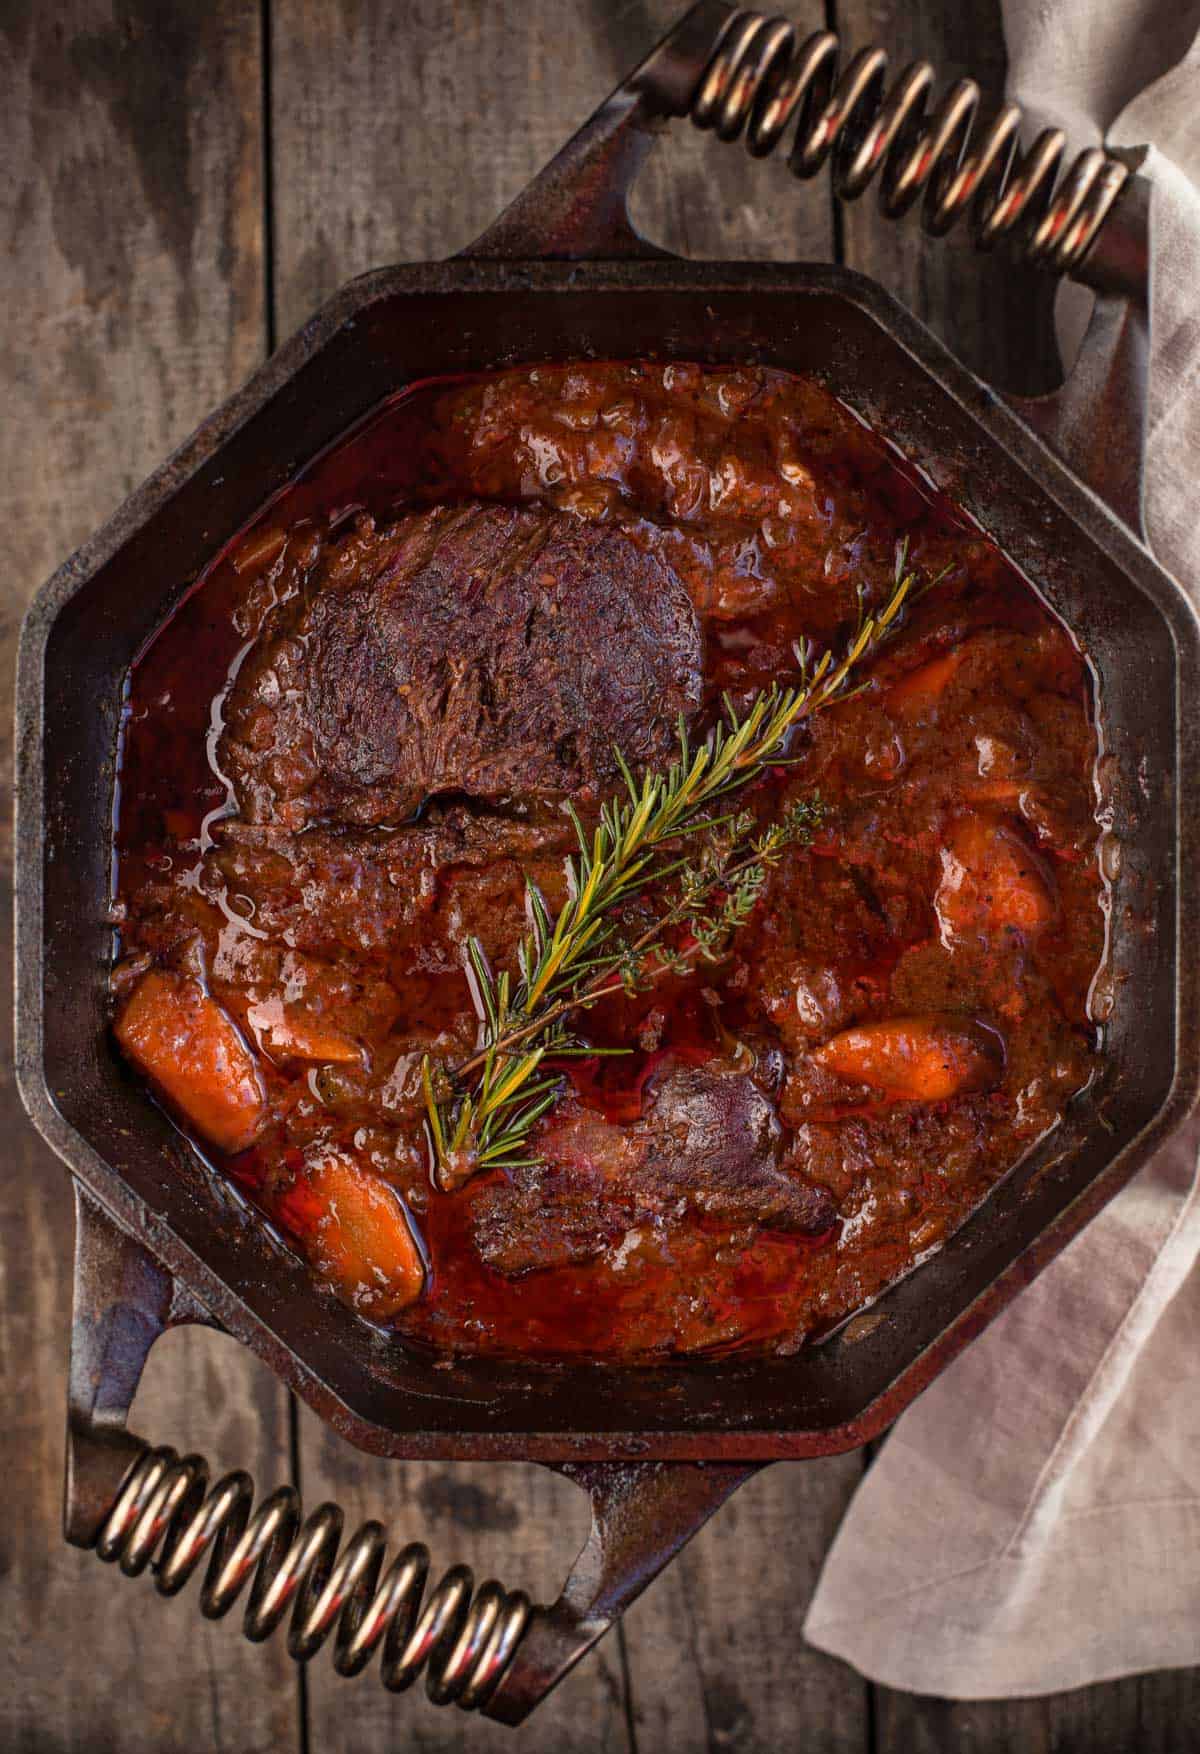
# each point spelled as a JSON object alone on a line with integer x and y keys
{"x": 1033, "y": 1522}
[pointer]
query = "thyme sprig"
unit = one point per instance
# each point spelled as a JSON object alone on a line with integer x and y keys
{"x": 480, "y": 1115}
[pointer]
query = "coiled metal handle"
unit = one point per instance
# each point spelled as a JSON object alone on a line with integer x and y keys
{"x": 759, "y": 81}
{"x": 464, "y": 1639}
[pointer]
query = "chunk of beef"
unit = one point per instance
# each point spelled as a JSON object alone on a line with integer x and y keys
{"x": 709, "y": 1142}
{"x": 714, "y": 1140}
{"x": 493, "y": 650}
{"x": 547, "y": 1215}
{"x": 371, "y": 891}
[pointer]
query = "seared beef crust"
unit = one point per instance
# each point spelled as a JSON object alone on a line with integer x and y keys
{"x": 501, "y": 652}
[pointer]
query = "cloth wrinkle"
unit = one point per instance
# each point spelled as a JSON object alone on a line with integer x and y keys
{"x": 1082, "y": 1410}
{"x": 1030, "y": 1524}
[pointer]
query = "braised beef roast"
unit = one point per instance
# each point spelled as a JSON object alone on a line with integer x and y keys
{"x": 498, "y": 651}
{"x": 709, "y": 1142}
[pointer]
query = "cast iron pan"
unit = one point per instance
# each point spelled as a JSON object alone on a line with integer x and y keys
{"x": 562, "y": 273}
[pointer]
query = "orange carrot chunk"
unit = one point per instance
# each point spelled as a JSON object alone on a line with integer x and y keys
{"x": 286, "y": 1032}
{"x": 363, "y": 1244}
{"x": 991, "y": 879}
{"x": 186, "y": 1044}
{"x": 997, "y": 791}
{"x": 915, "y": 1059}
{"x": 921, "y": 689}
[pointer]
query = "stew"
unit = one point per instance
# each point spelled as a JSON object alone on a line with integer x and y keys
{"x": 396, "y": 700}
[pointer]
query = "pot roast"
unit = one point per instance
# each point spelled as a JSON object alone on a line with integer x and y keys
{"x": 497, "y": 651}
{"x": 377, "y": 720}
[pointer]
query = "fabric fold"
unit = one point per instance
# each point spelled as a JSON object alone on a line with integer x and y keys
{"x": 1032, "y": 1522}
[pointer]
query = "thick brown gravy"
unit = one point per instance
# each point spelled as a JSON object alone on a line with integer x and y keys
{"x": 953, "y": 883}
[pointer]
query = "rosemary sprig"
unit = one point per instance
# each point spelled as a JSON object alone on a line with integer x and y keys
{"x": 481, "y": 1115}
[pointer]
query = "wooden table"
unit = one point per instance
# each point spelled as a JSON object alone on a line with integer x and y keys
{"x": 182, "y": 185}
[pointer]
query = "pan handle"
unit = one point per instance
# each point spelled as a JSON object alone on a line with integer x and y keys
{"x": 1096, "y": 421}
{"x": 643, "y": 1513}
{"x": 747, "y": 76}
{"x": 124, "y": 1300}
{"x": 714, "y": 64}
{"x": 578, "y": 205}
{"x": 487, "y": 1647}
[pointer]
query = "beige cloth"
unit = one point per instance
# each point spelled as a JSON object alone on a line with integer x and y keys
{"x": 1033, "y": 1522}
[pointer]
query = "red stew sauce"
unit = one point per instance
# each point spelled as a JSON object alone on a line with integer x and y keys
{"x": 904, "y": 1014}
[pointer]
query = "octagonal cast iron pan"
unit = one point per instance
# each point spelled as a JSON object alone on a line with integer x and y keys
{"x": 563, "y": 274}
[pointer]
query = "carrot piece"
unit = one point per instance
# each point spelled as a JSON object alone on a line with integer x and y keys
{"x": 991, "y": 879}
{"x": 921, "y": 689}
{"x": 186, "y": 1044}
{"x": 288, "y": 1033}
{"x": 363, "y": 1244}
{"x": 915, "y": 1059}
{"x": 996, "y": 791}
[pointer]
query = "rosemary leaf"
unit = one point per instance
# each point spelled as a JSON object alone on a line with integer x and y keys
{"x": 481, "y": 1115}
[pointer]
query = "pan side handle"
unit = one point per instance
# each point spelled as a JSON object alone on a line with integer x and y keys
{"x": 1096, "y": 420}
{"x": 643, "y": 1513}
{"x": 577, "y": 208}
{"x": 578, "y": 205}
{"x": 139, "y": 1506}
{"x": 123, "y": 1301}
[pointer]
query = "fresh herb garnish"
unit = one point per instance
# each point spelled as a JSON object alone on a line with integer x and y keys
{"x": 482, "y": 1112}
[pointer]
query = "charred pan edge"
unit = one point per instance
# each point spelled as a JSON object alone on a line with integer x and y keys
{"x": 703, "y": 1438}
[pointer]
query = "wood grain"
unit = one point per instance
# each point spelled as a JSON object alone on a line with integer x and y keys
{"x": 132, "y": 302}
{"x": 442, "y": 111}
{"x": 716, "y": 1656}
{"x": 1146, "y": 1714}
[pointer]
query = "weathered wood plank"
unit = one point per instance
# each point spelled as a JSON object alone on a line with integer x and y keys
{"x": 441, "y": 113}
{"x": 133, "y": 301}
{"x": 1154, "y": 1714}
{"x": 997, "y": 316}
{"x": 716, "y": 1656}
